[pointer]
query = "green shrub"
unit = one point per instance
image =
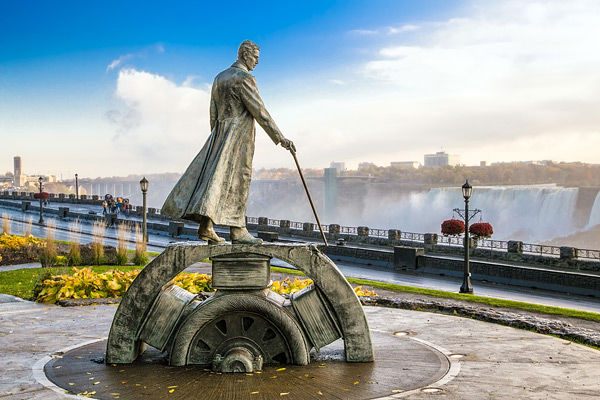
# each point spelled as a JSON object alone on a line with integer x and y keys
{"x": 140, "y": 258}
{"x": 74, "y": 256}
{"x": 121, "y": 257}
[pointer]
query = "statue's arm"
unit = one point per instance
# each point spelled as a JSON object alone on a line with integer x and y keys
{"x": 213, "y": 112}
{"x": 255, "y": 105}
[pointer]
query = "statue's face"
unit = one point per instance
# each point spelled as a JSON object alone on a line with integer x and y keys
{"x": 251, "y": 59}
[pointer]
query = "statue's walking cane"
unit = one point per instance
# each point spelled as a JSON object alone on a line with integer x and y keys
{"x": 309, "y": 198}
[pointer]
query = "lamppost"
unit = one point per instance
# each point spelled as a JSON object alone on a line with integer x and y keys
{"x": 76, "y": 186}
{"x": 144, "y": 187}
{"x": 467, "y": 189}
{"x": 40, "y": 181}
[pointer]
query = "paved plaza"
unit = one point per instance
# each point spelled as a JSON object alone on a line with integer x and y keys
{"x": 486, "y": 360}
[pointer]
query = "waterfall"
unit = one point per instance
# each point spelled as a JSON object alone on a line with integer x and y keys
{"x": 529, "y": 213}
{"x": 595, "y": 214}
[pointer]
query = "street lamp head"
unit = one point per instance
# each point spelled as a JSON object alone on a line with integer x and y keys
{"x": 144, "y": 185}
{"x": 466, "y": 190}
{"x": 40, "y": 179}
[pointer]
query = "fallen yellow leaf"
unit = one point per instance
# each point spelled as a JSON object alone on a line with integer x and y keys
{"x": 281, "y": 369}
{"x": 284, "y": 394}
{"x": 171, "y": 391}
{"x": 254, "y": 393}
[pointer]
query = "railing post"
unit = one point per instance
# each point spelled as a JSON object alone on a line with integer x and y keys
{"x": 430, "y": 238}
{"x": 515, "y": 246}
{"x": 263, "y": 222}
{"x": 362, "y": 232}
{"x": 284, "y": 225}
{"x": 334, "y": 229}
{"x": 568, "y": 253}
{"x": 308, "y": 227}
{"x": 394, "y": 234}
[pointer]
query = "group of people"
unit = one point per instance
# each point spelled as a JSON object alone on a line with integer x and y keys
{"x": 115, "y": 205}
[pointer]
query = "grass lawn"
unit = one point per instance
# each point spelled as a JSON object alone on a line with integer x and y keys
{"x": 20, "y": 282}
{"x": 466, "y": 297}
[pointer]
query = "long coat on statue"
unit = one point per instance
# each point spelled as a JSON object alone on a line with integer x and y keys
{"x": 217, "y": 182}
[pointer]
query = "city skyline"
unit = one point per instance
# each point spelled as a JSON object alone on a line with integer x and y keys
{"x": 368, "y": 81}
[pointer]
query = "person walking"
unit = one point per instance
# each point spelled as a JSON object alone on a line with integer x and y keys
{"x": 214, "y": 188}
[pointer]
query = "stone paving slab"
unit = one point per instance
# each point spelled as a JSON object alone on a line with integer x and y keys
{"x": 499, "y": 361}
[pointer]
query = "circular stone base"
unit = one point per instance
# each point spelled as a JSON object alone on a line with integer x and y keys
{"x": 401, "y": 364}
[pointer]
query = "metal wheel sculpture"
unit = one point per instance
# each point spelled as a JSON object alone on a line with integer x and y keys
{"x": 244, "y": 325}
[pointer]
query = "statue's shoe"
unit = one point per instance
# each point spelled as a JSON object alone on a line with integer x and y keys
{"x": 210, "y": 236}
{"x": 242, "y": 236}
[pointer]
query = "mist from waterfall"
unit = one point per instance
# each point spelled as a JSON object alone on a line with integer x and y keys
{"x": 595, "y": 214}
{"x": 531, "y": 213}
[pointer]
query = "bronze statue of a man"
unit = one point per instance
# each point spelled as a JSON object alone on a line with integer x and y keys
{"x": 214, "y": 188}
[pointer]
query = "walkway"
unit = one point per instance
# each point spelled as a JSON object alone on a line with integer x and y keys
{"x": 488, "y": 360}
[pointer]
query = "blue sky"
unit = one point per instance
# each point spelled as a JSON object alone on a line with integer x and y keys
{"x": 119, "y": 87}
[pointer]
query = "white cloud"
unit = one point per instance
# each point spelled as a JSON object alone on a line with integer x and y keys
{"x": 118, "y": 62}
{"x": 403, "y": 28}
{"x": 504, "y": 81}
{"x": 362, "y": 32}
{"x": 495, "y": 82}
{"x": 164, "y": 122}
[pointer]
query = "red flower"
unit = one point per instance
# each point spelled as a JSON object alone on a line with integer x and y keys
{"x": 453, "y": 227}
{"x": 481, "y": 230}
{"x": 42, "y": 195}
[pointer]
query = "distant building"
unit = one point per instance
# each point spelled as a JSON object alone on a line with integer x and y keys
{"x": 441, "y": 159}
{"x": 483, "y": 163}
{"x": 365, "y": 165}
{"x": 18, "y": 177}
{"x": 405, "y": 164}
{"x": 340, "y": 167}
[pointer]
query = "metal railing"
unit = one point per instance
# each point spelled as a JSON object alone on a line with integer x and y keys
{"x": 451, "y": 240}
{"x": 380, "y": 233}
{"x": 586, "y": 253}
{"x": 541, "y": 249}
{"x": 499, "y": 245}
{"x": 457, "y": 241}
{"x": 349, "y": 230}
{"x": 493, "y": 244}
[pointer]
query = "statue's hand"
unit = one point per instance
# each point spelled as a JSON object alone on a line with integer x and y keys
{"x": 288, "y": 144}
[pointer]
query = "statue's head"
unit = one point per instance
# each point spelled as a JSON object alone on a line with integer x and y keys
{"x": 248, "y": 53}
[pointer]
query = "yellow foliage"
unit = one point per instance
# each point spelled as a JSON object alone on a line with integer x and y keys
{"x": 85, "y": 283}
{"x": 364, "y": 292}
{"x": 194, "y": 283}
{"x": 15, "y": 242}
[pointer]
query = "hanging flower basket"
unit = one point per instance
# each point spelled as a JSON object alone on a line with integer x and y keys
{"x": 481, "y": 230}
{"x": 453, "y": 227}
{"x": 42, "y": 195}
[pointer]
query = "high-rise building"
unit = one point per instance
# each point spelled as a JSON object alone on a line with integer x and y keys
{"x": 340, "y": 166}
{"x": 441, "y": 159}
{"x": 18, "y": 178}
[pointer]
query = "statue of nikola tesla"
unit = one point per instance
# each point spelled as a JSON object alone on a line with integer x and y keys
{"x": 214, "y": 188}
